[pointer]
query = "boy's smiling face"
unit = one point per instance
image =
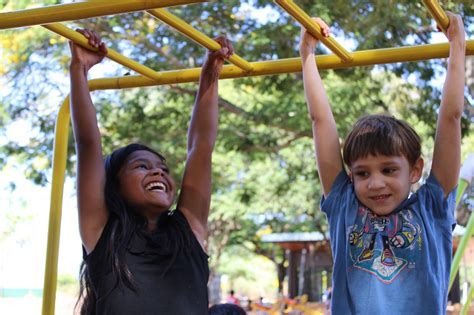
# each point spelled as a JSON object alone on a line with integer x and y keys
{"x": 382, "y": 182}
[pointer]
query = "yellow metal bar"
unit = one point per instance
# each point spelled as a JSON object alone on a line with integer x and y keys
{"x": 81, "y": 10}
{"x": 437, "y": 13}
{"x": 59, "y": 170}
{"x": 189, "y": 31}
{"x": 77, "y": 37}
{"x": 360, "y": 58}
{"x": 304, "y": 19}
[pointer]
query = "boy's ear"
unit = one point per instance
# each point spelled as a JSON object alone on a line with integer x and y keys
{"x": 350, "y": 176}
{"x": 417, "y": 170}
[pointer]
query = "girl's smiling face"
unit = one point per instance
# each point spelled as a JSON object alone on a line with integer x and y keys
{"x": 382, "y": 182}
{"x": 145, "y": 183}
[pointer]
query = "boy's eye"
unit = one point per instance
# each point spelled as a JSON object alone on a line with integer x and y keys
{"x": 389, "y": 170}
{"x": 142, "y": 166}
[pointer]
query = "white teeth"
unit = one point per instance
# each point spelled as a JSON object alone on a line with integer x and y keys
{"x": 156, "y": 186}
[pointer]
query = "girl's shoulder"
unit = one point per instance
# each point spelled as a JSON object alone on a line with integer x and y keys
{"x": 98, "y": 253}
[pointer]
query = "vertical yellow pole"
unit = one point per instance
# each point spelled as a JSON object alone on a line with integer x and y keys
{"x": 59, "y": 170}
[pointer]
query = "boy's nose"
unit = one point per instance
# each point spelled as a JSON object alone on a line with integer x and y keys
{"x": 375, "y": 182}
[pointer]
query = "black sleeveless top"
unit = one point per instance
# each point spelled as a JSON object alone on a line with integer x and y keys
{"x": 161, "y": 287}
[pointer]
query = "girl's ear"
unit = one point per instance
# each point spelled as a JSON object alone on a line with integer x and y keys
{"x": 417, "y": 171}
{"x": 350, "y": 176}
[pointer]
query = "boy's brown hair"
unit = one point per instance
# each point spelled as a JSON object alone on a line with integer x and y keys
{"x": 381, "y": 134}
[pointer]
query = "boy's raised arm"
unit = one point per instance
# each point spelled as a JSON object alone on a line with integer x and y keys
{"x": 447, "y": 148}
{"x": 195, "y": 197}
{"x": 90, "y": 167}
{"x": 325, "y": 135}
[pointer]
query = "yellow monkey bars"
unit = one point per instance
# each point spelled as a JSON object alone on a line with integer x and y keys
{"x": 360, "y": 58}
{"x": 304, "y": 19}
{"x": 66, "y": 32}
{"x": 195, "y": 35}
{"x": 49, "y": 16}
{"x": 437, "y": 13}
{"x": 81, "y": 10}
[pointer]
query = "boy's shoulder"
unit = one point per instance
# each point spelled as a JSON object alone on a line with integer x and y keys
{"x": 431, "y": 202}
{"x": 431, "y": 188}
{"x": 341, "y": 184}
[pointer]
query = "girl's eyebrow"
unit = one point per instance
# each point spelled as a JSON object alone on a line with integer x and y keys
{"x": 145, "y": 160}
{"x": 139, "y": 160}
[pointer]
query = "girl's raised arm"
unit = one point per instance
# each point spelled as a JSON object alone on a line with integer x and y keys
{"x": 93, "y": 213}
{"x": 195, "y": 198}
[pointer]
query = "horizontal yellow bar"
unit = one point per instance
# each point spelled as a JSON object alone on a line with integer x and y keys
{"x": 360, "y": 58}
{"x": 189, "y": 31}
{"x": 437, "y": 13}
{"x": 81, "y": 10}
{"x": 80, "y": 39}
{"x": 304, "y": 19}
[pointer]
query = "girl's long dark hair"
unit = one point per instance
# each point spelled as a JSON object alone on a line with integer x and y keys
{"x": 124, "y": 223}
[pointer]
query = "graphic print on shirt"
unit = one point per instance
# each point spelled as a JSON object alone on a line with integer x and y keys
{"x": 384, "y": 245}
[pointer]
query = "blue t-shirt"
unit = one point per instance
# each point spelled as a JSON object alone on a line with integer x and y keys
{"x": 395, "y": 264}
